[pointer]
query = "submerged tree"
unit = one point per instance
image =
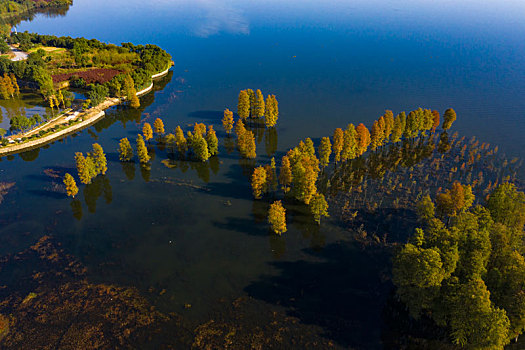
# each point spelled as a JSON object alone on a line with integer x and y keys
{"x": 338, "y": 143}
{"x": 259, "y": 178}
{"x": 285, "y": 175}
{"x": 212, "y": 141}
{"x": 99, "y": 159}
{"x": 318, "y": 207}
{"x": 227, "y": 121}
{"x": 325, "y": 149}
{"x": 243, "y": 106}
{"x": 259, "y": 104}
{"x": 142, "y": 151}
{"x": 83, "y": 168}
{"x": 277, "y": 217}
{"x": 71, "y": 185}
{"x": 158, "y": 125}
{"x": 448, "y": 118}
{"x": 147, "y": 131}
{"x": 125, "y": 151}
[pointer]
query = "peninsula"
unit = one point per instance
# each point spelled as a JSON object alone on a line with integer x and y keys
{"x": 105, "y": 74}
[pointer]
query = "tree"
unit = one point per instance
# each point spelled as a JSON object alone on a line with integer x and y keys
{"x": 376, "y": 136}
{"x": 272, "y": 112}
{"x": 259, "y": 178}
{"x": 99, "y": 159}
{"x": 425, "y": 209}
{"x": 277, "y": 217}
{"x": 285, "y": 175}
{"x": 399, "y": 127}
{"x": 227, "y": 121}
{"x": 455, "y": 200}
{"x": 448, "y": 118}
{"x": 325, "y": 149}
{"x": 125, "y": 151}
{"x": 199, "y": 128}
{"x": 318, "y": 207}
{"x": 134, "y": 102}
{"x": 435, "y": 120}
{"x": 338, "y": 143}
{"x": 147, "y": 131}
{"x": 251, "y": 95}
{"x": 200, "y": 147}
{"x": 412, "y": 125}
{"x": 212, "y": 141}
{"x": 243, "y": 106}
{"x": 158, "y": 125}
{"x": 363, "y": 139}
{"x": 2, "y": 132}
{"x": 180, "y": 141}
{"x": 239, "y": 128}
{"x": 507, "y": 206}
{"x": 349, "y": 143}
{"x": 246, "y": 143}
{"x": 83, "y": 168}
{"x": 259, "y": 104}
{"x": 389, "y": 124}
{"x": 71, "y": 185}
{"x": 142, "y": 151}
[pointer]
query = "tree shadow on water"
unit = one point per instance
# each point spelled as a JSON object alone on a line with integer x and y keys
{"x": 344, "y": 293}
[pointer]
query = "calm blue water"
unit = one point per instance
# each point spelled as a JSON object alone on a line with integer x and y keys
{"x": 198, "y": 233}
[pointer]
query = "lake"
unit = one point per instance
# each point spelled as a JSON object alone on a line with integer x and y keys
{"x": 189, "y": 236}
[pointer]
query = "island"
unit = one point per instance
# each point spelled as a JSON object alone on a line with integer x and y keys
{"x": 104, "y": 74}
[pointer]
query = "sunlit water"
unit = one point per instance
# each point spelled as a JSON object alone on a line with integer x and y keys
{"x": 198, "y": 234}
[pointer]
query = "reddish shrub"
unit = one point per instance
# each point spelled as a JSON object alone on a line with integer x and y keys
{"x": 98, "y": 75}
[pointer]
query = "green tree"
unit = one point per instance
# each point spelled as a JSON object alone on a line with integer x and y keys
{"x": 71, "y": 185}
{"x": 243, "y": 106}
{"x": 259, "y": 178}
{"x": 399, "y": 127}
{"x": 125, "y": 151}
{"x": 389, "y": 124}
{"x": 246, "y": 144}
{"x": 507, "y": 206}
{"x": 318, "y": 207}
{"x": 448, "y": 118}
{"x": 200, "y": 148}
{"x": 376, "y": 136}
{"x": 142, "y": 151}
{"x": 227, "y": 121}
{"x": 277, "y": 217}
{"x": 325, "y": 149}
{"x": 270, "y": 114}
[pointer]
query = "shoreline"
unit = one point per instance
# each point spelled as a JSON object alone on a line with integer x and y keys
{"x": 90, "y": 116}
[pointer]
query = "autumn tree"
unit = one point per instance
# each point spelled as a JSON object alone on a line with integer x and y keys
{"x": 435, "y": 120}
{"x": 259, "y": 104}
{"x": 147, "y": 131}
{"x": 285, "y": 174}
{"x": 399, "y": 127}
{"x": 251, "y": 95}
{"x": 125, "y": 151}
{"x": 454, "y": 200}
{"x": 325, "y": 149}
{"x": 412, "y": 125}
{"x": 180, "y": 141}
{"x": 246, "y": 144}
{"x": 389, "y": 124}
{"x": 448, "y": 118}
{"x": 277, "y": 217}
{"x": 71, "y": 185}
{"x": 83, "y": 168}
{"x": 142, "y": 151}
{"x": 259, "y": 178}
{"x": 99, "y": 159}
{"x": 239, "y": 128}
{"x": 212, "y": 141}
{"x": 349, "y": 143}
{"x": 199, "y": 147}
{"x": 158, "y": 125}
{"x": 200, "y": 129}
{"x": 243, "y": 106}
{"x": 363, "y": 139}
{"x": 271, "y": 112}
{"x": 318, "y": 207}
{"x": 375, "y": 136}
{"x": 338, "y": 139}
{"x": 134, "y": 102}
{"x": 227, "y": 121}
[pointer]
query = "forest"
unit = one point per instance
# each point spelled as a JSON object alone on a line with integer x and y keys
{"x": 17, "y": 7}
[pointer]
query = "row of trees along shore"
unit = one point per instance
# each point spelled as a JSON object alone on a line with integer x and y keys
{"x": 301, "y": 166}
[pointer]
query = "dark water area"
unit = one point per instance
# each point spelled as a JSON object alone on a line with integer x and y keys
{"x": 189, "y": 236}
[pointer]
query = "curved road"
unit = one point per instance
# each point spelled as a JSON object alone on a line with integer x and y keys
{"x": 19, "y": 54}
